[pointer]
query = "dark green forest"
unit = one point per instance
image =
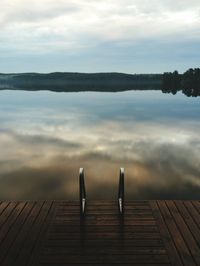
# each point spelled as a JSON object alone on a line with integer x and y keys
{"x": 168, "y": 82}
{"x": 188, "y": 82}
{"x": 68, "y": 82}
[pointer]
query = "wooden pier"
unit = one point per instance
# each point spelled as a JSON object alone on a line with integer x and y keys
{"x": 54, "y": 233}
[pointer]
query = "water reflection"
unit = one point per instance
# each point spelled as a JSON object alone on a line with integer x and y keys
{"x": 45, "y": 137}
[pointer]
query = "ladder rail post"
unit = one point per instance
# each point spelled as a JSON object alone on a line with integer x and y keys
{"x": 121, "y": 191}
{"x": 82, "y": 192}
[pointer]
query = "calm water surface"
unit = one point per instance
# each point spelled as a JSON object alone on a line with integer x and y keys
{"x": 46, "y": 136}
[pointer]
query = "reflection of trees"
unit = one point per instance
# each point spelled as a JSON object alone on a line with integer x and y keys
{"x": 189, "y": 82}
{"x": 171, "y": 82}
{"x": 69, "y": 82}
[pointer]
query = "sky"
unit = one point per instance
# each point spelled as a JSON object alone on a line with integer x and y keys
{"x": 131, "y": 36}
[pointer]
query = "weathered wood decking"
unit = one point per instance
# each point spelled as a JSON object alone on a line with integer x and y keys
{"x": 52, "y": 233}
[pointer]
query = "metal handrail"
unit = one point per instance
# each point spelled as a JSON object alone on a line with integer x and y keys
{"x": 121, "y": 191}
{"x": 82, "y": 192}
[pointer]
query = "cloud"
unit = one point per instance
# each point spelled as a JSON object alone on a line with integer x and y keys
{"x": 46, "y": 26}
{"x": 47, "y": 167}
{"x": 155, "y": 177}
{"x": 20, "y": 11}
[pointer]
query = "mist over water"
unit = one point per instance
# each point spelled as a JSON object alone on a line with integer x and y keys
{"x": 46, "y": 136}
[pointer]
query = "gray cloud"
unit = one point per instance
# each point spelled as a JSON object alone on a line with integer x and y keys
{"x": 129, "y": 35}
{"x": 22, "y": 11}
{"x": 38, "y": 140}
{"x": 155, "y": 170}
{"x": 61, "y": 25}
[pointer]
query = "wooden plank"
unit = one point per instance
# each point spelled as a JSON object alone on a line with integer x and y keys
{"x": 166, "y": 237}
{"x": 48, "y": 251}
{"x": 12, "y": 215}
{"x": 107, "y": 222}
{"x": 6, "y": 213}
{"x": 104, "y": 264}
{"x": 114, "y": 208}
{"x": 197, "y": 204}
{"x": 190, "y": 205}
{"x": 93, "y": 228}
{"x": 184, "y": 230}
{"x": 35, "y": 256}
{"x": 104, "y": 215}
{"x": 73, "y": 212}
{"x": 101, "y": 202}
{"x": 3, "y": 206}
{"x": 14, "y": 231}
{"x": 189, "y": 215}
{"x": 34, "y": 233}
{"x": 105, "y": 235}
{"x": 101, "y": 242}
{"x": 106, "y": 258}
{"x": 21, "y": 237}
{"x": 176, "y": 235}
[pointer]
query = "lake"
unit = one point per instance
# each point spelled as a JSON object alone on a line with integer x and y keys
{"x": 45, "y": 137}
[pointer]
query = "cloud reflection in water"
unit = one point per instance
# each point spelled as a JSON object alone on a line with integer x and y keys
{"x": 46, "y": 140}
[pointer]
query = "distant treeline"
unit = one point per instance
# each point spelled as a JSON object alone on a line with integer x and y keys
{"x": 188, "y": 82}
{"x": 169, "y": 82}
{"x": 68, "y": 82}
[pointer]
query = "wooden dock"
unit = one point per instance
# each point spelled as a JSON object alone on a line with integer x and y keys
{"x": 52, "y": 233}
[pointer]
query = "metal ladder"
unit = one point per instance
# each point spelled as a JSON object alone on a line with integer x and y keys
{"x": 82, "y": 192}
